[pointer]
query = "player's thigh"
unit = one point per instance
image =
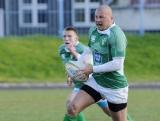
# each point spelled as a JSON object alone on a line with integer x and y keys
{"x": 82, "y": 100}
{"x": 73, "y": 94}
{"x": 119, "y": 115}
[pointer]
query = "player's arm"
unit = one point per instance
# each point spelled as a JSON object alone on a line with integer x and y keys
{"x": 114, "y": 65}
{"x": 69, "y": 81}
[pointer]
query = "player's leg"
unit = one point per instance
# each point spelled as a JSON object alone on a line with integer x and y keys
{"x": 117, "y": 102}
{"x": 81, "y": 101}
{"x": 118, "y": 111}
{"x": 103, "y": 104}
{"x": 85, "y": 97}
{"x": 114, "y": 97}
{"x": 78, "y": 117}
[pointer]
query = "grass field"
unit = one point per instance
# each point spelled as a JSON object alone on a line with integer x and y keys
{"x": 49, "y": 105}
{"x": 35, "y": 59}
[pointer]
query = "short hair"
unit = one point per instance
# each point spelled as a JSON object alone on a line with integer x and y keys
{"x": 71, "y": 28}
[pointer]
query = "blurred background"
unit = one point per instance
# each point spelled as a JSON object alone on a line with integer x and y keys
{"x": 49, "y": 17}
{"x": 31, "y": 32}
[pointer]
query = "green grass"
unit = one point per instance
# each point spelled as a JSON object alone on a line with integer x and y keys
{"x": 35, "y": 59}
{"x": 142, "y": 60}
{"x": 49, "y": 105}
{"x": 31, "y": 59}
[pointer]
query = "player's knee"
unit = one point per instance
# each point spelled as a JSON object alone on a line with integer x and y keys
{"x": 72, "y": 109}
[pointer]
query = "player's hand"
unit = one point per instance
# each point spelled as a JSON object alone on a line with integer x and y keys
{"x": 87, "y": 70}
{"x": 73, "y": 51}
{"x": 69, "y": 81}
{"x": 71, "y": 47}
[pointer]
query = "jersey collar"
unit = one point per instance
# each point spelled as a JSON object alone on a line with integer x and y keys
{"x": 77, "y": 43}
{"x": 107, "y": 31}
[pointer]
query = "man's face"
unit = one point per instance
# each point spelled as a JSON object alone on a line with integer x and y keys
{"x": 70, "y": 37}
{"x": 103, "y": 19}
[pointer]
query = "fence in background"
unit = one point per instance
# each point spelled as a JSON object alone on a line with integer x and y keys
{"x": 49, "y": 18}
{"x": 1, "y": 23}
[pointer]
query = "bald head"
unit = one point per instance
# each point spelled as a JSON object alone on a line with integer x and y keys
{"x": 103, "y": 17}
{"x": 105, "y": 8}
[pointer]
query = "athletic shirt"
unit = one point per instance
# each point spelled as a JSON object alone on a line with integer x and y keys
{"x": 104, "y": 47}
{"x": 66, "y": 56}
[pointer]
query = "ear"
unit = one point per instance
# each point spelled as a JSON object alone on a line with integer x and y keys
{"x": 77, "y": 38}
{"x": 112, "y": 19}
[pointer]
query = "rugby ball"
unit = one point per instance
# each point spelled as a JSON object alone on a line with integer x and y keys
{"x": 72, "y": 69}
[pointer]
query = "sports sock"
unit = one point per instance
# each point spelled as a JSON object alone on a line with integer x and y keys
{"x": 69, "y": 118}
{"x": 81, "y": 117}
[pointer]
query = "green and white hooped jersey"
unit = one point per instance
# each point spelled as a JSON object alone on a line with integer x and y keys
{"x": 104, "y": 48}
{"x": 66, "y": 56}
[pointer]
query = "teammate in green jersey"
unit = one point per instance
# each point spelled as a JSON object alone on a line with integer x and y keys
{"x": 71, "y": 50}
{"x": 108, "y": 45}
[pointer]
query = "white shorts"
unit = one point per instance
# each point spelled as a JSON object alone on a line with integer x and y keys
{"x": 101, "y": 103}
{"x": 116, "y": 96}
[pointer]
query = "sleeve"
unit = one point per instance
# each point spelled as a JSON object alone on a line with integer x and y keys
{"x": 114, "y": 65}
{"x": 90, "y": 33}
{"x": 61, "y": 55}
{"x": 118, "y": 45}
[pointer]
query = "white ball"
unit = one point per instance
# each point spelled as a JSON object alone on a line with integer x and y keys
{"x": 72, "y": 68}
